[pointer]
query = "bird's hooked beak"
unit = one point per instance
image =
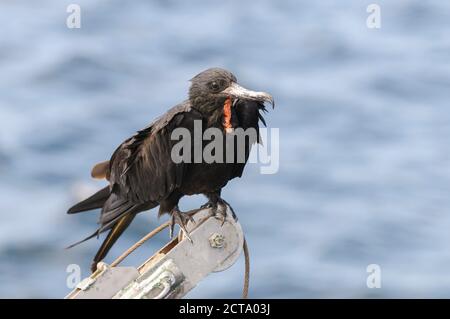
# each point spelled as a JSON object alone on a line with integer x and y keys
{"x": 239, "y": 92}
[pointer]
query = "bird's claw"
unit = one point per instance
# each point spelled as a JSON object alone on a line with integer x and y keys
{"x": 207, "y": 205}
{"x": 218, "y": 209}
{"x": 181, "y": 219}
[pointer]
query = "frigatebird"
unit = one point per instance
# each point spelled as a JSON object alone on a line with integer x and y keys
{"x": 142, "y": 173}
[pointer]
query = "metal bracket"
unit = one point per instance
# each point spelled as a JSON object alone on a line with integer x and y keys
{"x": 176, "y": 268}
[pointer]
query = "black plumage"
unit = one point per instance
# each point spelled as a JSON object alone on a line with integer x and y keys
{"x": 142, "y": 174}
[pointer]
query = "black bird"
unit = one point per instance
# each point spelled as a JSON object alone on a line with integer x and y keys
{"x": 142, "y": 173}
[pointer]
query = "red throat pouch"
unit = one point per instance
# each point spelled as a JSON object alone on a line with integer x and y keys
{"x": 227, "y": 116}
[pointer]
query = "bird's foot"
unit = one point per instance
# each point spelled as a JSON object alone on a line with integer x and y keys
{"x": 208, "y": 204}
{"x": 178, "y": 217}
{"x": 218, "y": 208}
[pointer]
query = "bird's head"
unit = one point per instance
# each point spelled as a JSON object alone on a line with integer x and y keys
{"x": 216, "y": 88}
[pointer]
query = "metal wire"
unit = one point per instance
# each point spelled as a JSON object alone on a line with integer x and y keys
{"x": 139, "y": 243}
{"x": 167, "y": 224}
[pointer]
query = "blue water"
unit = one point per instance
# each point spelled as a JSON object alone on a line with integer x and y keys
{"x": 364, "y": 122}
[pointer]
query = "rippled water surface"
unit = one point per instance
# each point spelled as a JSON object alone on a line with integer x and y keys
{"x": 364, "y": 136}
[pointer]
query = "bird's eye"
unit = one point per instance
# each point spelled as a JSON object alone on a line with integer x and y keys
{"x": 214, "y": 86}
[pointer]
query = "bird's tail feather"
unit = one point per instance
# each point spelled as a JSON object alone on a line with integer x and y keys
{"x": 96, "y": 233}
{"x": 104, "y": 227}
{"x": 112, "y": 237}
{"x": 95, "y": 201}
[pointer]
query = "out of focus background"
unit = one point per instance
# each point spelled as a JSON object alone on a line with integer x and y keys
{"x": 364, "y": 125}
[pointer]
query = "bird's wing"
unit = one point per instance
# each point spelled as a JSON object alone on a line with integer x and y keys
{"x": 141, "y": 169}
